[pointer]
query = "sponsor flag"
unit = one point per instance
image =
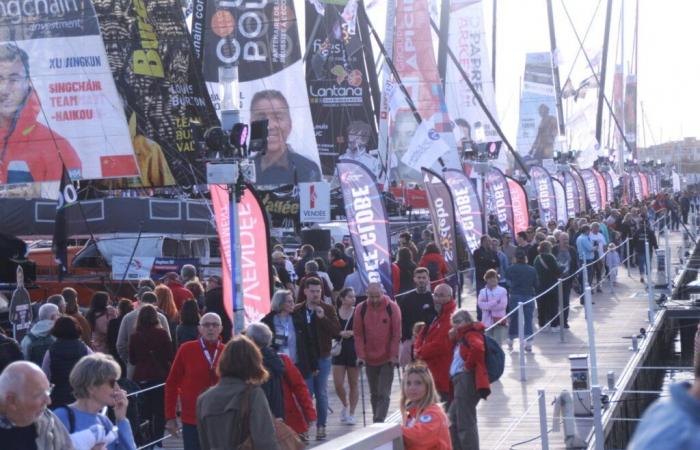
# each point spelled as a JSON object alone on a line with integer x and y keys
{"x": 631, "y": 113}
{"x": 368, "y": 224}
{"x": 467, "y": 207}
{"x": 499, "y": 200}
{"x": 609, "y": 187}
{"x": 593, "y": 193}
{"x": 637, "y": 186}
{"x": 224, "y": 225}
{"x": 546, "y": 197}
{"x": 560, "y": 193}
{"x": 338, "y": 86}
{"x": 442, "y": 214}
{"x": 255, "y": 46}
{"x": 521, "y": 215}
{"x": 67, "y": 197}
{"x": 583, "y": 204}
{"x": 644, "y": 178}
{"x": 603, "y": 188}
{"x": 573, "y": 206}
{"x": 60, "y": 102}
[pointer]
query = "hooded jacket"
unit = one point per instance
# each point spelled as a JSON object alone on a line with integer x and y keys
{"x": 472, "y": 348}
{"x": 41, "y": 329}
{"x": 298, "y": 407}
{"x": 432, "y": 345}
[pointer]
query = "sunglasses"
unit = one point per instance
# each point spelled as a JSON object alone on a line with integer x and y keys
{"x": 209, "y": 325}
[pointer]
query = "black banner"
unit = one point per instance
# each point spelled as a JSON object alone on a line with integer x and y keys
{"x": 467, "y": 207}
{"x": 581, "y": 188}
{"x": 500, "y": 200}
{"x": 546, "y": 197}
{"x": 442, "y": 214}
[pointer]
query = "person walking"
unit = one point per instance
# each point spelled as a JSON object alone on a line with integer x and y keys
{"x": 416, "y": 306}
{"x": 548, "y": 273}
{"x": 568, "y": 264}
{"x": 433, "y": 260}
{"x": 124, "y": 307}
{"x": 377, "y": 330}
{"x": 73, "y": 310}
{"x": 98, "y": 316}
{"x": 345, "y": 363}
{"x": 261, "y": 336}
{"x": 523, "y": 287}
{"x": 493, "y": 301}
{"x": 299, "y": 411}
{"x": 586, "y": 255}
{"x": 214, "y": 302}
{"x": 485, "y": 258}
{"x": 642, "y": 235}
{"x": 37, "y": 342}
{"x": 188, "y": 328}
{"x": 281, "y": 323}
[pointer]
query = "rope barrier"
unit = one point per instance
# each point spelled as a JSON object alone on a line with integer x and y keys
{"x": 141, "y": 391}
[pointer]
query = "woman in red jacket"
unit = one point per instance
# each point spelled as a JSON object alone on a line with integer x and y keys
{"x": 299, "y": 411}
{"x": 151, "y": 353}
{"x": 425, "y": 425}
{"x": 433, "y": 260}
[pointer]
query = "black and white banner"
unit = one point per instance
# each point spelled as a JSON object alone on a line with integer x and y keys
{"x": 573, "y": 206}
{"x": 442, "y": 213}
{"x": 500, "y": 200}
{"x": 467, "y": 207}
{"x": 546, "y": 197}
{"x": 560, "y": 193}
{"x": 590, "y": 183}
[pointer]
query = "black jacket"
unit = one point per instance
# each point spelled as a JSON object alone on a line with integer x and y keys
{"x": 64, "y": 354}
{"x": 9, "y": 351}
{"x": 415, "y": 307}
{"x": 484, "y": 260}
{"x": 273, "y": 386}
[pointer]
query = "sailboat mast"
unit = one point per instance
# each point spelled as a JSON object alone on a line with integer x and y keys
{"x": 442, "y": 46}
{"x": 620, "y": 145}
{"x": 555, "y": 67}
{"x": 493, "y": 43}
{"x": 603, "y": 75}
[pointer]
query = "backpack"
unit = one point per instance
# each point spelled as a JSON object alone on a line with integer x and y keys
{"x": 494, "y": 357}
{"x": 38, "y": 346}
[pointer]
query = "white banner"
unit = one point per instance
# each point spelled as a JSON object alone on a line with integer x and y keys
{"x": 315, "y": 202}
{"x": 136, "y": 268}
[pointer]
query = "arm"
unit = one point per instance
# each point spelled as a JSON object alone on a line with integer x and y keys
{"x": 172, "y": 384}
{"x": 395, "y": 331}
{"x": 262, "y": 430}
{"x": 423, "y": 434}
{"x": 472, "y": 350}
{"x": 125, "y": 439}
{"x": 486, "y": 301}
{"x": 427, "y": 349}
{"x": 329, "y": 323}
{"x": 46, "y": 364}
{"x": 299, "y": 389}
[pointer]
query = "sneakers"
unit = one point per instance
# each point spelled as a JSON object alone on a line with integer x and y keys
{"x": 350, "y": 420}
{"x": 304, "y": 437}
{"x": 320, "y": 433}
{"x": 344, "y": 415}
{"x": 510, "y": 345}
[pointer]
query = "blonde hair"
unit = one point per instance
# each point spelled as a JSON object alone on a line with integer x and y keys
{"x": 430, "y": 398}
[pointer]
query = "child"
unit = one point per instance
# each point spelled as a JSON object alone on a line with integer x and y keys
{"x": 425, "y": 425}
{"x": 493, "y": 301}
{"x": 612, "y": 260}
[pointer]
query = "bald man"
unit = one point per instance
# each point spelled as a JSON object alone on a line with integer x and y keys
{"x": 25, "y": 421}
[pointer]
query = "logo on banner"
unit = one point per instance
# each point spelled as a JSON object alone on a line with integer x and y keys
{"x": 314, "y": 202}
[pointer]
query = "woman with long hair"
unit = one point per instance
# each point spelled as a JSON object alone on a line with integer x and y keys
{"x": 60, "y": 358}
{"x": 188, "y": 328}
{"x": 433, "y": 260}
{"x": 166, "y": 304}
{"x": 424, "y": 425}
{"x": 98, "y": 316}
{"x": 346, "y": 361}
{"x": 404, "y": 260}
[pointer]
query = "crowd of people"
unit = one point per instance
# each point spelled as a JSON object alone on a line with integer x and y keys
{"x": 173, "y": 343}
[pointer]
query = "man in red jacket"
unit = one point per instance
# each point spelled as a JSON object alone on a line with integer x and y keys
{"x": 433, "y": 343}
{"x": 193, "y": 372}
{"x": 180, "y": 293}
{"x": 377, "y": 330}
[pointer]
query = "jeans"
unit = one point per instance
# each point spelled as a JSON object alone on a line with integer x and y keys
{"x": 318, "y": 387}
{"x": 380, "y": 379}
{"x": 528, "y": 310}
{"x": 153, "y": 409}
{"x": 190, "y": 437}
{"x": 642, "y": 264}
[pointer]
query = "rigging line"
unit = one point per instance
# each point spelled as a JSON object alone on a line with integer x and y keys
{"x": 585, "y": 36}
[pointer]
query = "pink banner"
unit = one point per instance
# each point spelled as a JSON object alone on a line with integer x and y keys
{"x": 603, "y": 189}
{"x": 222, "y": 213}
{"x": 518, "y": 198}
{"x": 645, "y": 184}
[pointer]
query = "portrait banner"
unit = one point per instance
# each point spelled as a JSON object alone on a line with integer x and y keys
{"x": 60, "y": 105}
{"x": 442, "y": 214}
{"x": 521, "y": 215}
{"x": 467, "y": 207}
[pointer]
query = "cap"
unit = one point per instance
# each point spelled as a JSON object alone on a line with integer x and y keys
{"x": 170, "y": 276}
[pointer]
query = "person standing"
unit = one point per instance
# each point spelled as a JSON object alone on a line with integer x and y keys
{"x": 642, "y": 235}
{"x": 523, "y": 286}
{"x": 179, "y": 291}
{"x": 37, "y": 342}
{"x": 485, "y": 258}
{"x": 585, "y": 250}
{"x": 124, "y": 307}
{"x": 548, "y": 273}
{"x": 406, "y": 267}
{"x": 416, "y": 306}
{"x": 281, "y": 323}
{"x": 600, "y": 243}
{"x": 346, "y": 361}
{"x": 377, "y": 329}
{"x": 214, "y": 302}
{"x": 192, "y": 372}
{"x": 568, "y": 264}
{"x": 73, "y": 310}
{"x": 188, "y": 328}
{"x": 493, "y": 301}
{"x": 433, "y": 260}
{"x": 98, "y": 316}
{"x": 261, "y": 336}
{"x": 9, "y": 351}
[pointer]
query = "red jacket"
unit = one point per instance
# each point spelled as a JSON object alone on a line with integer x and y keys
{"x": 473, "y": 351}
{"x": 427, "y": 430}
{"x": 180, "y": 293}
{"x": 151, "y": 353}
{"x": 377, "y": 336}
{"x": 438, "y": 260}
{"x": 433, "y": 345}
{"x": 33, "y": 143}
{"x": 189, "y": 377}
{"x": 298, "y": 407}
{"x": 395, "y": 278}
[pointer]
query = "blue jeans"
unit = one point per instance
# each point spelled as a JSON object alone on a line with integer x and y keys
{"x": 528, "y": 310}
{"x": 318, "y": 387}
{"x": 642, "y": 263}
{"x": 190, "y": 437}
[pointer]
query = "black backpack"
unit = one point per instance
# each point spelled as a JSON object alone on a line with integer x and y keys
{"x": 433, "y": 270}
{"x": 38, "y": 346}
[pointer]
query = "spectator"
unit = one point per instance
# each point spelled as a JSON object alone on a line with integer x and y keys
{"x": 299, "y": 411}
{"x": 261, "y": 336}
{"x": 73, "y": 310}
{"x": 508, "y": 248}
{"x": 339, "y": 268}
{"x": 433, "y": 343}
{"x": 98, "y": 316}
{"x": 354, "y": 281}
{"x": 306, "y": 253}
{"x": 346, "y": 361}
{"x": 188, "y": 273}
{"x": 493, "y": 301}
{"x": 58, "y": 300}
{"x": 9, "y": 351}
{"x": 197, "y": 290}
{"x": 36, "y": 343}
{"x": 503, "y": 262}
{"x": 128, "y": 327}
{"x": 193, "y": 372}
{"x": 280, "y": 322}
{"x": 426, "y": 238}
{"x": 242, "y": 373}
{"x": 214, "y": 302}
{"x": 377, "y": 330}
{"x": 406, "y": 242}
{"x": 599, "y": 245}
{"x": 485, "y": 258}
{"x": 404, "y": 261}
{"x": 312, "y": 271}
{"x": 287, "y": 264}
{"x": 316, "y": 324}
{"x": 424, "y": 423}
{"x": 60, "y": 358}
{"x": 124, "y": 307}
{"x": 166, "y": 304}
{"x": 433, "y": 260}
{"x": 151, "y": 353}
{"x": 322, "y": 273}
{"x": 612, "y": 262}
{"x": 642, "y": 235}
{"x": 673, "y": 422}
{"x": 26, "y": 421}
{"x": 416, "y": 306}
{"x": 187, "y": 330}
{"x": 548, "y": 273}
{"x": 280, "y": 263}
{"x": 568, "y": 264}
{"x": 180, "y": 293}
{"x": 586, "y": 255}
{"x": 469, "y": 377}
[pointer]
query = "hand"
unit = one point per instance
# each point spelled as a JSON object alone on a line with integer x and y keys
{"x": 361, "y": 362}
{"x": 171, "y": 426}
{"x": 319, "y": 312}
{"x": 417, "y": 328}
{"x": 120, "y": 405}
{"x": 346, "y": 334}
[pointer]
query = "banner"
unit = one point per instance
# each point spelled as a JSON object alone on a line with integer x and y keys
{"x": 538, "y": 127}
{"x": 224, "y": 222}
{"x": 257, "y": 45}
{"x": 442, "y": 214}
{"x": 631, "y": 113}
{"x": 602, "y": 187}
{"x": 583, "y": 204}
{"x": 413, "y": 145}
{"x": 521, "y": 215}
{"x": 590, "y": 183}
{"x": 67, "y": 197}
{"x": 560, "y": 194}
{"x": 368, "y": 224}
{"x": 618, "y": 109}
{"x": 467, "y": 40}
{"x": 338, "y": 87}
{"x": 501, "y": 205}
{"x": 644, "y": 178}
{"x": 60, "y": 105}
{"x": 573, "y": 206}
{"x": 467, "y": 207}
{"x": 609, "y": 187}
{"x": 637, "y": 186}
{"x": 546, "y": 197}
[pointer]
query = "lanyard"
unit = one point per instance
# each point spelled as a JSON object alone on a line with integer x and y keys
{"x": 209, "y": 358}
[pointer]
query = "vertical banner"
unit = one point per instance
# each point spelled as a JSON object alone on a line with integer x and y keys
{"x": 609, "y": 187}
{"x": 583, "y": 204}
{"x": 631, "y": 113}
{"x": 538, "y": 127}
{"x": 618, "y": 108}
{"x": 442, "y": 214}
{"x": 413, "y": 145}
{"x": 151, "y": 57}
{"x": 467, "y": 207}
{"x": 467, "y": 40}
{"x": 224, "y": 222}
{"x": 546, "y": 197}
{"x": 368, "y": 224}
{"x": 637, "y": 186}
{"x": 499, "y": 194}
{"x": 521, "y": 216}
{"x": 338, "y": 87}
{"x": 67, "y": 197}
{"x": 257, "y": 45}
{"x": 573, "y": 206}
{"x": 602, "y": 187}
{"x": 560, "y": 194}
{"x": 590, "y": 183}
{"x": 644, "y": 178}
{"x": 60, "y": 105}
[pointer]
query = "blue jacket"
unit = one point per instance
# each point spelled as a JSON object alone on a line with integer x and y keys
{"x": 584, "y": 247}
{"x": 671, "y": 423}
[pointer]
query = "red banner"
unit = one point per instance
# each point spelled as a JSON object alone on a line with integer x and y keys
{"x": 222, "y": 214}
{"x": 518, "y": 199}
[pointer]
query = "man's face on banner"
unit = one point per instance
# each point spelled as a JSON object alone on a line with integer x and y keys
{"x": 357, "y": 139}
{"x": 279, "y": 123}
{"x": 403, "y": 132}
{"x": 14, "y": 84}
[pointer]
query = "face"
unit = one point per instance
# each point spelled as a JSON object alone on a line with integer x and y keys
{"x": 25, "y": 407}
{"x": 349, "y": 299}
{"x": 279, "y": 124}
{"x": 313, "y": 294}
{"x": 374, "y": 295}
{"x": 14, "y": 86}
{"x": 564, "y": 240}
{"x": 404, "y": 131}
{"x": 421, "y": 280}
{"x": 288, "y": 304}
{"x": 492, "y": 282}
{"x": 212, "y": 283}
{"x": 442, "y": 296}
{"x": 486, "y": 243}
{"x": 210, "y": 328}
{"x": 357, "y": 139}
{"x": 415, "y": 388}
{"x": 104, "y": 393}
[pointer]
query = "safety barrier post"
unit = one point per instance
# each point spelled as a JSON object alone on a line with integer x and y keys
{"x": 521, "y": 340}
{"x": 667, "y": 259}
{"x": 544, "y": 437}
{"x": 560, "y": 290}
{"x": 598, "y": 418}
{"x": 650, "y": 286}
{"x": 588, "y": 302}
{"x": 629, "y": 257}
